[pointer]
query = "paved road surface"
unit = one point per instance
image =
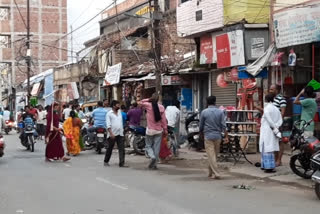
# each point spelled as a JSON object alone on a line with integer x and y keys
{"x": 29, "y": 185}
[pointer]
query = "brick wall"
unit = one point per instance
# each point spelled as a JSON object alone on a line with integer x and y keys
{"x": 174, "y": 46}
{"x": 128, "y": 57}
{"x": 48, "y": 23}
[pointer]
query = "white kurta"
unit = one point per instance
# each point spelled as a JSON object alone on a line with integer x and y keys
{"x": 271, "y": 119}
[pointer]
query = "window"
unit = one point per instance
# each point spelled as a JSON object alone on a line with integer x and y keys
{"x": 4, "y": 13}
{"x": 166, "y": 5}
{"x": 199, "y": 15}
{"x": 5, "y": 41}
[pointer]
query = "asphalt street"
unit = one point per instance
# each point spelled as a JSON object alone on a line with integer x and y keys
{"x": 30, "y": 185}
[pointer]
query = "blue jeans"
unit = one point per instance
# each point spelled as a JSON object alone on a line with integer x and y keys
{"x": 153, "y": 144}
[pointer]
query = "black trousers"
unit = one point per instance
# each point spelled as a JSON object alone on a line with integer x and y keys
{"x": 120, "y": 142}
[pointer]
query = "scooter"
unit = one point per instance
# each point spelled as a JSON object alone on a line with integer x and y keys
{"x": 300, "y": 163}
{"x": 2, "y": 146}
{"x": 193, "y": 131}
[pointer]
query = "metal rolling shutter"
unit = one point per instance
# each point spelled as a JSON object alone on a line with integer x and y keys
{"x": 225, "y": 96}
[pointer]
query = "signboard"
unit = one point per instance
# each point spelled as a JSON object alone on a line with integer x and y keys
{"x": 230, "y": 49}
{"x": 36, "y": 89}
{"x": 257, "y": 47}
{"x": 113, "y": 75}
{"x": 206, "y": 49}
{"x": 297, "y": 26}
{"x": 171, "y": 80}
{"x": 144, "y": 10}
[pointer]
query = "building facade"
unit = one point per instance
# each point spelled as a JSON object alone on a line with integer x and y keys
{"x": 48, "y": 25}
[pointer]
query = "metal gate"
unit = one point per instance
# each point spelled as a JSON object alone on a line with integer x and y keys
{"x": 225, "y": 96}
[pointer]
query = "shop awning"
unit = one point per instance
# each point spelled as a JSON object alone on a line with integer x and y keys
{"x": 36, "y": 89}
{"x": 150, "y": 76}
{"x": 37, "y": 78}
{"x": 257, "y": 66}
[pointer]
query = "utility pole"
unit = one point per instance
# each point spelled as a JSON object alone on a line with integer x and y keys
{"x": 156, "y": 44}
{"x": 28, "y": 58}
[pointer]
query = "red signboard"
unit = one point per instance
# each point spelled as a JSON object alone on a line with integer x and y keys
{"x": 206, "y": 49}
{"x": 223, "y": 51}
{"x": 230, "y": 49}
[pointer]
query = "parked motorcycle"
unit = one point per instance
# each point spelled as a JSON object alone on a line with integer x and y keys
{"x": 315, "y": 165}
{"x": 300, "y": 163}
{"x": 193, "y": 131}
{"x": 136, "y": 138}
{"x": 8, "y": 126}
{"x": 2, "y": 146}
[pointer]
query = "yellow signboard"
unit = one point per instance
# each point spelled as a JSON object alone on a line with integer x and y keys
{"x": 144, "y": 10}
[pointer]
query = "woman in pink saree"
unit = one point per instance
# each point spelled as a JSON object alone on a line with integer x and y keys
{"x": 54, "y": 149}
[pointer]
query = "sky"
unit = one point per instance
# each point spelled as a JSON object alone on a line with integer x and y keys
{"x": 79, "y": 12}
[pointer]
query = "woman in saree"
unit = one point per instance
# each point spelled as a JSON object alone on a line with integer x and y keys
{"x": 54, "y": 148}
{"x": 72, "y": 127}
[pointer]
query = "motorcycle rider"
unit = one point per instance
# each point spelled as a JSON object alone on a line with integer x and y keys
{"x": 134, "y": 115}
{"x": 6, "y": 114}
{"x": 28, "y": 118}
{"x": 99, "y": 116}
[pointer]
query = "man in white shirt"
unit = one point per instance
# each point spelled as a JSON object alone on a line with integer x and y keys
{"x": 173, "y": 114}
{"x": 173, "y": 118}
{"x": 41, "y": 122}
{"x": 6, "y": 114}
{"x": 66, "y": 111}
{"x": 115, "y": 133}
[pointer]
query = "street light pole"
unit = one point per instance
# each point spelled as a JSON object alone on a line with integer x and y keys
{"x": 28, "y": 58}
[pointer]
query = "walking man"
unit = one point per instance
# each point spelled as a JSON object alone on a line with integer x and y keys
{"x": 212, "y": 124}
{"x": 115, "y": 133}
{"x": 156, "y": 126}
{"x": 281, "y": 103}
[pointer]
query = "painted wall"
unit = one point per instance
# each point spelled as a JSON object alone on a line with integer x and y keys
{"x": 217, "y": 13}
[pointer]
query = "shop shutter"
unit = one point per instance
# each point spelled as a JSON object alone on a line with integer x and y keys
{"x": 225, "y": 96}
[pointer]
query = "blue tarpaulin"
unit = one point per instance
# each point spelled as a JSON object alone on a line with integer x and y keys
{"x": 48, "y": 89}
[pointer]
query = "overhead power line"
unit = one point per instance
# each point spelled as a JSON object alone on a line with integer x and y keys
{"x": 84, "y": 24}
{"x": 24, "y": 22}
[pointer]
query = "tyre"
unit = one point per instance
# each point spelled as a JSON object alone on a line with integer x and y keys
{"x": 299, "y": 168}
{"x": 31, "y": 143}
{"x": 317, "y": 190}
{"x": 139, "y": 145}
{"x": 99, "y": 148}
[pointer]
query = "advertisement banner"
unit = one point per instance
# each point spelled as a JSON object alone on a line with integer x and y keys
{"x": 297, "y": 26}
{"x": 206, "y": 50}
{"x": 230, "y": 49}
{"x": 113, "y": 75}
{"x": 257, "y": 47}
{"x": 171, "y": 80}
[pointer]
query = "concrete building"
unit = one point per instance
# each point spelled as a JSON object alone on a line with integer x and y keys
{"x": 48, "y": 23}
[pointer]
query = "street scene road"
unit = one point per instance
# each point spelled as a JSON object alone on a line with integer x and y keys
{"x": 30, "y": 185}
